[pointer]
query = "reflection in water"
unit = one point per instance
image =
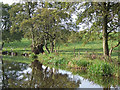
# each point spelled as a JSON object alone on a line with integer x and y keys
{"x": 21, "y": 75}
{"x": 105, "y": 81}
{"x": 11, "y": 71}
{"x": 16, "y": 75}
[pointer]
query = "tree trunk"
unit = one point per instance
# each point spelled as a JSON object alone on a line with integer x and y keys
{"x": 105, "y": 37}
{"x": 55, "y": 46}
{"x": 105, "y": 33}
{"x": 52, "y": 47}
{"x": 32, "y": 33}
{"x": 46, "y": 46}
{"x": 40, "y": 48}
{"x": 2, "y": 45}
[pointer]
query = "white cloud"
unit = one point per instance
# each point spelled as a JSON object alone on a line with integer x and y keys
{"x": 9, "y": 1}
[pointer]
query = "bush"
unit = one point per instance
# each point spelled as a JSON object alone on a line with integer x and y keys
{"x": 33, "y": 56}
{"x": 61, "y": 61}
{"x": 103, "y": 69}
{"x": 82, "y": 63}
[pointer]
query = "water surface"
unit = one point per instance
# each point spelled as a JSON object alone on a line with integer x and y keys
{"x": 21, "y": 75}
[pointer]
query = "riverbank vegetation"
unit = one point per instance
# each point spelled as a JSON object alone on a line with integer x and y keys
{"x": 86, "y": 58}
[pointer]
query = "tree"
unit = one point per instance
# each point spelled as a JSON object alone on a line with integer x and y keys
{"x": 7, "y": 36}
{"x": 46, "y": 24}
{"x": 50, "y": 25}
{"x": 20, "y": 12}
{"x": 5, "y": 23}
{"x": 104, "y": 18}
{"x": 74, "y": 36}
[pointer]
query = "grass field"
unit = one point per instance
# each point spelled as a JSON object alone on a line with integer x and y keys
{"x": 95, "y": 46}
{"x": 20, "y": 47}
{"x": 67, "y": 48}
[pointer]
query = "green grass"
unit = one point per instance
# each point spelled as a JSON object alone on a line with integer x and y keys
{"x": 95, "y": 46}
{"x": 82, "y": 63}
{"x": 66, "y": 49}
{"x": 102, "y": 69}
{"x": 23, "y": 46}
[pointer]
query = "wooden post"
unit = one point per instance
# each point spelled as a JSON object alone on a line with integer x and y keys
{"x": 55, "y": 47}
{"x": 79, "y": 54}
{"x": 74, "y": 51}
{"x": 58, "y": 48}
{"x": 55, "y": 50}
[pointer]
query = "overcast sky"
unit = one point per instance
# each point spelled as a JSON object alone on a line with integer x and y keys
{"x": 9, "y": 1}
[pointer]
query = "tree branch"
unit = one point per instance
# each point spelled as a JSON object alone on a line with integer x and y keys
{"x": 49, "y": 35}
{"x": 110, "y": 52}
{"x": 111, "y": 30}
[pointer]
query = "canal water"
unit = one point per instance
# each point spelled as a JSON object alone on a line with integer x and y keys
{"x": 22, "y": 75}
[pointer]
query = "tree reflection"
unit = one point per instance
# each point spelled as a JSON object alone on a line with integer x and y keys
{"x": 3, "y": 78}
{"x": 11, "y": 72}
{"x": 37, "y": 78}
{"x": 105, "y": 82}
{"x": 44, "y": 78}
{"x": 106, "y": 88}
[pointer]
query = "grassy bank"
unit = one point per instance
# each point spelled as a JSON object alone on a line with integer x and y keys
{"x": 72, "y": 56}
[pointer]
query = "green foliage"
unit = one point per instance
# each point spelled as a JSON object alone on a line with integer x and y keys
{"x": 21, "y": 12}
{"x": 103, "y": 69}
{"x": 74, "y": 37}
{"x": 114, "y": 36}
{"x": 6, "y": 23}
{"x": 10, "y": 37}
{"x": 107, "y": 69}
{"x": 61, "y": 61}
{"x": 57, "y": 60}
{"x": 82, "y": 63}
{"x": 7, "y": 36}
{"x": 104, "y": 81}
{"x": 33, "y": 56}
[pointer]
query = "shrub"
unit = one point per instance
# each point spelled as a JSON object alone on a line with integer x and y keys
{"x": 82, "y": 63}
{"x": 103, "y": 69}
{"x": 107, "y": 69}
{"x": 61, "y": 61}
{"x": 33, "y": 56}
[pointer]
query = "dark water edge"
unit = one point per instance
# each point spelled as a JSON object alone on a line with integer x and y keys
{"x": 20, "y": 75}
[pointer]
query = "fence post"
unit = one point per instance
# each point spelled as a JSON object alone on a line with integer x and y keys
{"x": 78, "y": 54}
{"x": 58, "y": 49}
{"x": 74, "y": 51}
